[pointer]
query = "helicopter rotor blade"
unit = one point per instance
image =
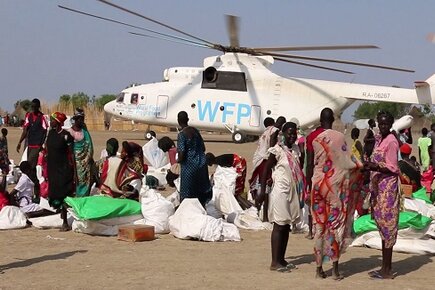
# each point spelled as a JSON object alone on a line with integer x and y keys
{"x": 313, "y": 65}
{"x": 168, "y": 36}
{"x": 233, "y": 30}
{"x": 155, "y": 21}
{"x": 308, "y": 48}
{"x": 197, "y": 44}
{"x": 280, "y": 55}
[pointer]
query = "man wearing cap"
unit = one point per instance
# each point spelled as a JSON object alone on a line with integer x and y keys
{"x": 34, "y": 131}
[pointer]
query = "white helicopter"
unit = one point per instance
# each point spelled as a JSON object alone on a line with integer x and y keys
{"x": 237, "y": 90}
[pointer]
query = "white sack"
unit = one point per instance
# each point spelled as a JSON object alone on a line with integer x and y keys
{"x": 50, "y": 222}
{"x": 104, "y": 227}
{"x": 159, "y": 173}
{"x": 402, "y": 123}
{"x": 154, "y": 155}
{"x": 224, "y": 180}
{"x": 156, "y": 210}
{"x": 174, "y": 198}
{"x": 419, "y": 206}
{"x": 409, "y": 240}
{"x": 11, "y": 217}
{"x": 249, "y": 220}
{"x": 191, "y": 221}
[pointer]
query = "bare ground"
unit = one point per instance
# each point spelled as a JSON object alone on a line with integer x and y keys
{"x": 49, "y": 259}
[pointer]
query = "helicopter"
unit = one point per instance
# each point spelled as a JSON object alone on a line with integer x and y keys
{"x": 235, "y": 91}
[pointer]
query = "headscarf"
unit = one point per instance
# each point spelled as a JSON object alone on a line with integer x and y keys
{"x": 59, "y": 117}
{"x": 405, "y": 149}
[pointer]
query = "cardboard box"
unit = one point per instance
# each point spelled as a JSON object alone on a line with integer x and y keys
{"x": 406, "y": 190}
{"x": 136, "y": 233}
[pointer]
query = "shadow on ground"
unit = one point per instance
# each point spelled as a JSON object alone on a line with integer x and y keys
{"x": 29, "y": 262}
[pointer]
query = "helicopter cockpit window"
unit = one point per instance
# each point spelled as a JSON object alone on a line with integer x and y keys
{"x": 120, "y": 98}
{"x": 223, "y": 80}
{"x": 134, "y": 98}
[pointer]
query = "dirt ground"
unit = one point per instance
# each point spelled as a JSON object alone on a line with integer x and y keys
{"x": 49, "y": 259}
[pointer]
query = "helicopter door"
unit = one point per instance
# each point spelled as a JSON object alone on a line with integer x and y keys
{"x": 254, "y": 120}
{"x": 162, "y": 107}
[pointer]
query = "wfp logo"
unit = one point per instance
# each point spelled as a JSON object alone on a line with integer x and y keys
{"x": 208, "y": 111}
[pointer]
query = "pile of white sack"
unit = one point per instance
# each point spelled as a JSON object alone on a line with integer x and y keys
{"x": 409, "y": 240}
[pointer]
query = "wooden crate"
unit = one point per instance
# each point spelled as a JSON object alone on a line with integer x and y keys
{"x": 136, "y": 233}
{"x": 406, "y": 190}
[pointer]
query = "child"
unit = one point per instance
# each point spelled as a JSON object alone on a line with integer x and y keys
{"x": 23, "y": 191}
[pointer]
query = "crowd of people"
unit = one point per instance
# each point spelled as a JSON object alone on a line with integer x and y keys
{"x": 290, "y": 171}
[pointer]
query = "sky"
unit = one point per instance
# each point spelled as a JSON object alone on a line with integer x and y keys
{"x": 46, "y": 51}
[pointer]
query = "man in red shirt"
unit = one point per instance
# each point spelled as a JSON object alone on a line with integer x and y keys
{"x": 34, "y": 131}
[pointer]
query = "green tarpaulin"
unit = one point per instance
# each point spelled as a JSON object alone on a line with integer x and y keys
{"x": 102, "y": 207}
{"x": 421, "y": 194}
{"x": 406, "y": 219}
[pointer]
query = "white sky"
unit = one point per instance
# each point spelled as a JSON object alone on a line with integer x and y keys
{"x": 46, "y": 51}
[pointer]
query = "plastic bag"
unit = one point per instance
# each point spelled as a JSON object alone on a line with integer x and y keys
{"x": 223, "y": 190}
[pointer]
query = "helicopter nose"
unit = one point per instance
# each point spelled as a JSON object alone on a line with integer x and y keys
{"x": 109, "y": 107}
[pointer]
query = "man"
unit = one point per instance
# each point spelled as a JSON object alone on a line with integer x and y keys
{"x": 369, "y": 139}
{"x": 329, "y": 164}
{"x": 34, "y": 130}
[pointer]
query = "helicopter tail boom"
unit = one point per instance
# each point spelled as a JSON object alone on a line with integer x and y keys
{"x": 426, "y": 90}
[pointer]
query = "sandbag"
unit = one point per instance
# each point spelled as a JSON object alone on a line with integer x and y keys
{"x": 11, "y": 217}
{"x": 191, "y": 221}
{"x": 102, "y": 207}
{"x": 156, "y": 210}
{"x": 406, "y": 219}
{"x": 154, "y": 155}
{"x": 223, "y": 190}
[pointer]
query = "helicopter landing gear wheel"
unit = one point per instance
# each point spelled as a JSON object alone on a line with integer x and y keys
{"x": 149, "y": 135}
{"x": 239, "y": 137}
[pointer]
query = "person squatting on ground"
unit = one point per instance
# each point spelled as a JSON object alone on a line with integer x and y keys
{"x": 384, "y": 188}
{"x": 194, "y": 181}
{"x": 330, "y": 194}
{"x": 284, "y": 201}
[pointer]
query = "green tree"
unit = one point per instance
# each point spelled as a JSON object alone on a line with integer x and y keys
{"x": 26, "y": 105}
{"x": 65, "y": 100}
{"x": 102, "y": 100}
{"x": 79, "y": 99}
{"x": 369, "y": 110}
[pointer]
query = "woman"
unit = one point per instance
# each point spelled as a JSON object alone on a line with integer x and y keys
{"x": 194, "y": 181}
{"x": 83, "y": 154}
{"x": 117, "y": 178}
{"x": 59, "y": 165}
{"x": 384, "y": 191}
{"x": 330, "y": 194}
{"x": 286, "y": 193}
